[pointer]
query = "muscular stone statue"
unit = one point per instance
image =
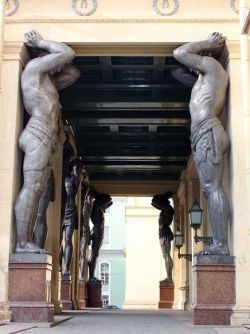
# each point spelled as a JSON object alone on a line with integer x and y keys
{"x": 85, "y": 230}
{"x": 70, "y": 223}
{"x": 48, "y": 195}
{"x": 101, "y": 203}
{"x": 208, "y": 137}
{"x": 161, "y": 202}
{"x": 41, "y": 79}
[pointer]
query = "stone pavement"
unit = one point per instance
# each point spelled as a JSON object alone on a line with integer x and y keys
{"x": 121, "y": 322}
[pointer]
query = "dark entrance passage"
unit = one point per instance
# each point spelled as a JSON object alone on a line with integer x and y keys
{"x": 130, "y": 118}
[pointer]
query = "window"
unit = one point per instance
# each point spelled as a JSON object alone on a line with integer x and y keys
{"x": 106, "y": 239}
{"x": 104, "y": 271}
{"x": 105, "y": 300}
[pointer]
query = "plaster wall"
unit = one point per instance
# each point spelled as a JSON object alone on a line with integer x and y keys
{"x": 144, "y": 263}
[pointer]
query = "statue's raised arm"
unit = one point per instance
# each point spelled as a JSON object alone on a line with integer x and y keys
{"x": 196, "y": 54}
{"x": 58, "y": 54}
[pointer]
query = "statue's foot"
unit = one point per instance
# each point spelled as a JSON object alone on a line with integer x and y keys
{"x": 215, "y": 249}
{"x": 29, "y": 247}
{"x": 94, "y": 279}
{"x": 66, "y": 273}
{"x": 166, "y": 280}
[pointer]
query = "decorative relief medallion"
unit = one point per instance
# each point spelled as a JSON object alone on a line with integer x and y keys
{"x": 11, "y": 7}
{"x": 234, "y": 7}
{"x": 84, "y": 7}
{"x": 165, "y": 7}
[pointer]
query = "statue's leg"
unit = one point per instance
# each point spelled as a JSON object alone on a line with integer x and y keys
{"x": 83, "y": 254}
{"x": 166, "y": 247}
{"x": 218, "y": 206}
{"x": 69, "y": 230}
{"x": 41, "y": 229}
{"x": 60, "y": 256}
{"x": 26, "y": 208}
{"x": 36, "y": 172}
{"x": 95, "y": 246}
{"x": 169, "y": 261}
{"x": 40, "y": 232}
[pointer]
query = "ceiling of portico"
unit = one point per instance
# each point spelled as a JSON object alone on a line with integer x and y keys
{"x": 130, "y": 118}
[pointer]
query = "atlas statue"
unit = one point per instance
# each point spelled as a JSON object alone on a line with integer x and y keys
{"x": 161, "y": 202}
{"x": 209, "y": 140}
{"x": 43, "y": 76}
{"x": 70, "y": 222}
{"x": 101, "y": 203}
{"x": 89, "y": 196}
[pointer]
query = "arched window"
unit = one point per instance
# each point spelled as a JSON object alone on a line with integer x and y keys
{"x": 105, "y": 273}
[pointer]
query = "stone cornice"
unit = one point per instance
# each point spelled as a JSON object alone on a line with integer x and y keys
{"x": 15, "y": 51}
{"x": 233, "y": 48}
{"x": 124, "y": 48}
{"x": 125, "y": 20}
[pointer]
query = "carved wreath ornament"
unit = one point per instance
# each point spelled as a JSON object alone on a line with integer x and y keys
{"x": 84, "y": 7}
{"x": 11, "y": 7}
{"x": 233, "y": 6}
{"x": 165, "y": 7}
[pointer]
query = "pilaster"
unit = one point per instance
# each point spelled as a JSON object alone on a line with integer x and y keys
{"x": 11, "y": 125}
{"x": 239, "y": 126}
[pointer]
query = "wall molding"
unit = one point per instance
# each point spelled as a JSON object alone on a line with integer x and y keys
{"x": 126, "y": 20}
{"x": 15, "y": 51}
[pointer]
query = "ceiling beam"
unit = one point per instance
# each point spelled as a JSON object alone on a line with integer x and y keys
{"x": 132, "y": 121}
{"x": 126, "y": 86}
{"x": 135, "y": 159}
{"x": 130, "y": 106}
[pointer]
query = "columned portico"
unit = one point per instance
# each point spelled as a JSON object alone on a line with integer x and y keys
{"x": 134, "y": 30}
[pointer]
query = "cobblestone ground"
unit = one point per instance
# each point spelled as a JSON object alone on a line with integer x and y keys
{"x": 131, "y": 322}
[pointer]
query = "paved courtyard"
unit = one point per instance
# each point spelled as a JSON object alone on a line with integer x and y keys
{"x": 121, "y": 322}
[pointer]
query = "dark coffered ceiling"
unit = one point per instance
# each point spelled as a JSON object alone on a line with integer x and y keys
{"x": 130, "y": 118}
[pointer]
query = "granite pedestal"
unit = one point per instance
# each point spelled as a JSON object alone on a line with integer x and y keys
{"x": 82, "y": 295}
{"x": 30, "y": 288}
{"x": 166, "y": 294}
{"x": 94, "y": 290}
{"x": 214, "y": 284}
{"x": 66, "y": 287}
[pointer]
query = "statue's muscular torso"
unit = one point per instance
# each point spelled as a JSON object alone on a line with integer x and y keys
{"x": 206, "y": 99}
{"x": 41, "y": 101}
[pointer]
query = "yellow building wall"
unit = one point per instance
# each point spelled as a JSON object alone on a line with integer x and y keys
{"x": 144, "y": 262}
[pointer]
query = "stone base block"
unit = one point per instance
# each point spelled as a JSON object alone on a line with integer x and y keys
{"x": 30, "y": 288}
{"x": 166, "y": 295}
{"x": 210, "y": 315}
{"x": 32, "y": 312}
{"x": 66, "y": 287}
{"x": 94, "y": 289}
{"x": 214, "y": 278}
{"x": 82, "y": 295}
